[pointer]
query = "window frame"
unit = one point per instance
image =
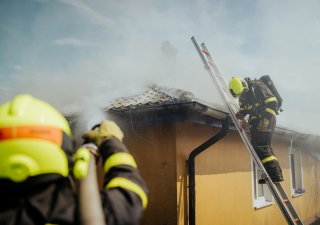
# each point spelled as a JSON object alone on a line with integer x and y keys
{"x": 266, "y": 198}
{"x": 296, "y": 172}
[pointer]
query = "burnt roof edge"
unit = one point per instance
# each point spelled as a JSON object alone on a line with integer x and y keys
{"x": 173, "y": 112}
{"x": 195, "y": 111}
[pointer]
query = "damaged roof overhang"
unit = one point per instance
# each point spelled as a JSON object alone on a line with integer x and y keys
{"x": 198, "y": 112}
{"x": 171, "y": 112}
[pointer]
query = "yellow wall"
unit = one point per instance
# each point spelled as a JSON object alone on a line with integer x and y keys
{"x": 223, "y": 177}
{"x": 154, "y": 150}
{"x": 309, "y": 203}
{"x": 224, "y": 181}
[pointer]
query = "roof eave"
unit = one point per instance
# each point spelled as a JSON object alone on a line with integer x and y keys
{"x": 173, "y": 112}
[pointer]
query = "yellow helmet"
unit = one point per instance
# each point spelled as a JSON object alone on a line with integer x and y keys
{"x": 32, "y": 135}
{"x": 237, "y": 86}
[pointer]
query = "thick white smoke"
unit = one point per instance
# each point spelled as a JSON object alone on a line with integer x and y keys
{"x": 76, "y": 54}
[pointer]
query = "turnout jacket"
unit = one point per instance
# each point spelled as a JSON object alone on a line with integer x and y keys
{"x": 258, "y": 101}
{"x": 53, "y": 201}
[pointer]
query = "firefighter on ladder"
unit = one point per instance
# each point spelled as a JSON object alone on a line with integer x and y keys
{"x": 257, "y": 101}
{"x": 35, "y": 165}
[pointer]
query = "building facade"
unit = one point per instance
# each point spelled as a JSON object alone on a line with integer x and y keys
{"x": 162, "y": 130}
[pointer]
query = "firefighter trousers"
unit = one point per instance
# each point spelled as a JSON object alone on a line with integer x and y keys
{"x": 261, "y": 136}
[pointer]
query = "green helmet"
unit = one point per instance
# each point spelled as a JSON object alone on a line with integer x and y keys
{"x": 237, "y": 85}
{"x": 32, "y": 133}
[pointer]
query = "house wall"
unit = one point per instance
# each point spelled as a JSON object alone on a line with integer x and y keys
{"x": 309, "y": 203}
{"x": 224, "y": 189}
{"x": 224, "y": 186}
{"x": 153, "y": 148}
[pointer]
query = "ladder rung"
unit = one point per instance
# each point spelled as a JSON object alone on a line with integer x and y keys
{"x": 205, "y": 51}
{"x": 296, "y": 219}
{"x": 285, "y": 200}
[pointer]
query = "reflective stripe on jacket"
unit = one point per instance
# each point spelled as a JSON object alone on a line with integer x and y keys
{"x": 258, "y": 101}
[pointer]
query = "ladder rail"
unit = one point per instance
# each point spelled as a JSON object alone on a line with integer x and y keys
{"x": 289, "y": 204}
{"x": 230, "y": 109}
{"x": 231, "y": 104}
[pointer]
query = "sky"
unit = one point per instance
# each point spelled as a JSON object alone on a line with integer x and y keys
{"x": 79, "y": 55}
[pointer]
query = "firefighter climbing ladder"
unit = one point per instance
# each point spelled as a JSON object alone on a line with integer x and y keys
{"x": 276, "y": 189}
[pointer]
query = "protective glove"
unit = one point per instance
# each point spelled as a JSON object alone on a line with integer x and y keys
{"x": 106, "y": 130}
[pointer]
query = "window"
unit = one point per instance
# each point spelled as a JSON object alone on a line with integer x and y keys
{"x": 261, "y": 194}
{"x": 296, "y": 172}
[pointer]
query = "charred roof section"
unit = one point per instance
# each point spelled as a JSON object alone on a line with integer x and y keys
{"x": 159, "y": 104}
{"x": 152, "y": 97}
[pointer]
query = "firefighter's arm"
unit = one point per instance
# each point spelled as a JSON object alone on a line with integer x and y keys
{"x": 268, "y": 100}
{"x": 270, "y": 106}
{"x": 270, "y": 109}
{"x": 124, "y": 193}
{"x": 243, "y": 111}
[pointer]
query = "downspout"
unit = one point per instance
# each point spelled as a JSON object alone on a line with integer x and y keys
{"x": 191, "y": 167}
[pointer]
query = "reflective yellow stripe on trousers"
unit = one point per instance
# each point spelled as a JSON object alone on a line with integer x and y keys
{"x": 268, "y": 159}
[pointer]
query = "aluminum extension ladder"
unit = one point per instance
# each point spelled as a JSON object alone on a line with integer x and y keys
{"x": 276, "y": 189}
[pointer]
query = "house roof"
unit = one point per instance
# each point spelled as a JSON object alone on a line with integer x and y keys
{"x": 158, "y": 98}
{"x": 154, "y": 96}
{"x": 172, "y": 100}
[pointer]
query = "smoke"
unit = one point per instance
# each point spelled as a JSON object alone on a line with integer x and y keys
{"x": 80, "y": 55}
